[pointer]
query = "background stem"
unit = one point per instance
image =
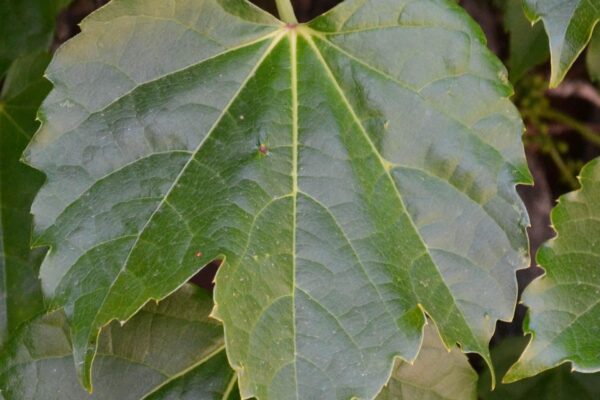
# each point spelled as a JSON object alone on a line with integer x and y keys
{"x": 286, "y": 11}
{"x": 572, "y": 123}
{"x": 562, "y": 167}
{"x": 553, "y": 152}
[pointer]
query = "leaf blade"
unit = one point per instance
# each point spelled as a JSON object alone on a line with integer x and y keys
{"x": 158, "y": 346}
{"x": 558, "y": 383}
{"x": 289, "y": 143}
{"x": 559, "y": 331}
{"x": 569, "y": 25}
{"x": 437, "y": 373}
{"x": 528, "y": 44}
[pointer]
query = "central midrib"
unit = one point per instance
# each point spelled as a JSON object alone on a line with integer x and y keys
{"x": 294, "y": 83}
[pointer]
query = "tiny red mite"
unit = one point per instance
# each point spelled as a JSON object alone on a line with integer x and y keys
{"x": 263, "y": 149}
{"x": 198, "y": 254}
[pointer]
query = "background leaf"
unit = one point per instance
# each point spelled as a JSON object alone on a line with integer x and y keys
{"x": 528, "y": 44}
{"x": 436, "y": 374}
{"x": 593, "y": 56}
{"x": 353, "y": 174}
{"x": 26, "y": 26}
{"x": 559, "y": 383}
{"x": 564, "y": 305}
{"x": 212, "y": 380}
{"x": 159, "y": 345}
{"x": 569, "y": 24}
{"x": 22, "y": 93}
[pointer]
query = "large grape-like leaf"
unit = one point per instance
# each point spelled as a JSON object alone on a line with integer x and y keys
{"x": 437, "y": 374}
{"x": 353, "y": 173}
{"x": 569, "y": 24}
{"x": 26, "y": 26}
{"x": 162, "y": 344}
{"x": 558, "y": 383}
{"x": 22, "y": 93}
{"x": 564, "y": 304}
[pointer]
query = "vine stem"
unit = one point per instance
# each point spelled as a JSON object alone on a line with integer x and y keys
{"x": 554, "y": 153}
{"x": 560, "y": 164}
{"x": 286, "y": 11}
{"x": 572, "y": 123}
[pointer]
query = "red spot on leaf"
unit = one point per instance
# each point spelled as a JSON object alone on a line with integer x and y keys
{"x": 263, "y": 149}
{"x": 198, "y": 254}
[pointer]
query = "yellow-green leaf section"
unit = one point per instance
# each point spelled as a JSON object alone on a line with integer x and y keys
{"x": 355, "y": 173}
{"x": 437, "y": 374}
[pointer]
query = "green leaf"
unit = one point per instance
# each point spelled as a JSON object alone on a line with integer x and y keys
{"x": 22, "y": 93}
{"x": 569, "y": 24}
{"x": 593, "y": 56}
{"x": 436, "y": 374}
{"x": 353, "y": 173}
{"x": 556, "y": 384}
{"x": 154, "y": 349}
{"x": 564, "y": 304}
{"x": 26, "y": 26}
{"x": 213, "y": 380}
{"x": 528, "y": 44}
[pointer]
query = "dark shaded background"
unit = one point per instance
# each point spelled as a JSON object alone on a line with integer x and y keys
{"x": 575, "y": 97}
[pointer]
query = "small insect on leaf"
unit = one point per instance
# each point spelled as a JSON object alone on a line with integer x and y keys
{"x": 198, "y": 254}
{"x": 263, "y": 149}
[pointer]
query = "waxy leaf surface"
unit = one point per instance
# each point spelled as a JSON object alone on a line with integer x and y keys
{"x": 569, "y": 24}
{"x": 353, "y": 173}
{"x": 162, "y": 344}
{"x": 22, "y": 93}
{"x": 564, "y": 304}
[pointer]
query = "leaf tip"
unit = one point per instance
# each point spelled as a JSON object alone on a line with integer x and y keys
{"x": 511, "y": 376}
{"x": 214, "y": 314}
